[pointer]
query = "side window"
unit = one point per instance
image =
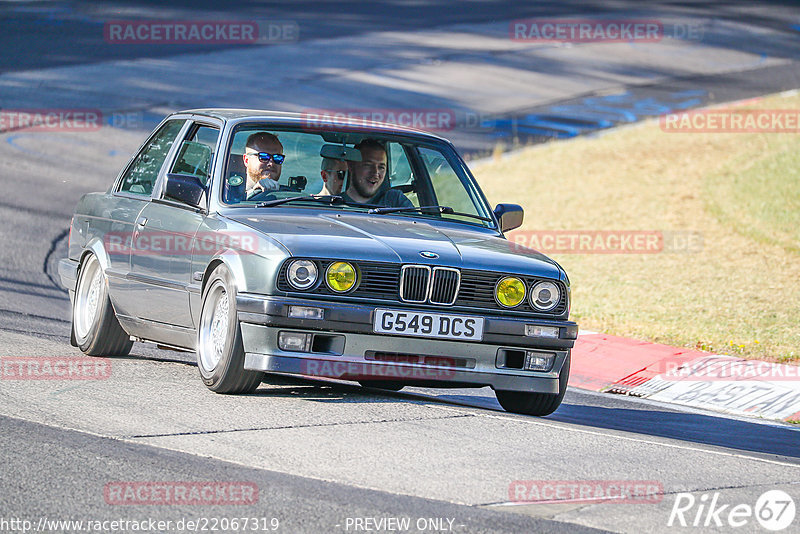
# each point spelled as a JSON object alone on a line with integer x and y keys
{"x": 446, "y": 183}
{"x": 142, "y": 174}
{"x": 402, "y": 175}
{"x": 196, "y": 154}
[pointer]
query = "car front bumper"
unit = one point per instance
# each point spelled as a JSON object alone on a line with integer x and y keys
{"x": 345, "y": 347}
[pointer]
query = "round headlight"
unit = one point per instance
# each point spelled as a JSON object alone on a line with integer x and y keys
{"x": 545, "y": 296}
{"x": 510, "y": 291}
{"x": 340, "y": 276}
{"x": 302, "y": 274}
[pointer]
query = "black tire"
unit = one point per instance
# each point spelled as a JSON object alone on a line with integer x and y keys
{"x": 72, "y": 340}
{"x": 95, "y": 328}
{"x": 538, "y": 404}
{"x": 388, "y": 385}
{"x": 220, "y": 352}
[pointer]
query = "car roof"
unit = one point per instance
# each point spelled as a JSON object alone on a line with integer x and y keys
{"x": 305, "y": 119}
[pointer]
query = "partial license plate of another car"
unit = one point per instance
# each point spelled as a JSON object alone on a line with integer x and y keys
{"x": 421, "y": 324}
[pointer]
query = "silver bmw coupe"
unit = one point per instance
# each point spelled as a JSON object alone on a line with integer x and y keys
{"x": 277, "y": 243}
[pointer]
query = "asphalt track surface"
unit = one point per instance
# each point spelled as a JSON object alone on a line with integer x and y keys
{"x": 43, "y": 34}
{"x": 320, "y": 452}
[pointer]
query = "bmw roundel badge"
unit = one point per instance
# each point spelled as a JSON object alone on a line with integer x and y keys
{"x": 429, "y": 255}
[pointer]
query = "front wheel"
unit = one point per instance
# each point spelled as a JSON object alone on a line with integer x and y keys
{"x": 538, "y": 404}
{"x": 220, "y": 352}
{"x": 95, "y": 328}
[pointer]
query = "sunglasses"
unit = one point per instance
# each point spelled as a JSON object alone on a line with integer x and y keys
{"x": 264, "y": 156}
{"x": 339, "y": 174}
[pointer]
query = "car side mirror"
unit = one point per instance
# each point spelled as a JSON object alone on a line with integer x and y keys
{"x": 186, "y": 189}
{"x": 509, "y": 215}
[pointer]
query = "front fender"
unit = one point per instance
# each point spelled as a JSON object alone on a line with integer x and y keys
{"x": 253, "y": 261}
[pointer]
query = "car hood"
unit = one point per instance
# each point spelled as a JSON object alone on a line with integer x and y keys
{"x": 395, "y": 239}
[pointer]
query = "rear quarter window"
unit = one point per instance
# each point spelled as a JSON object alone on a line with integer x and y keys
{"x": 142, "y": 173}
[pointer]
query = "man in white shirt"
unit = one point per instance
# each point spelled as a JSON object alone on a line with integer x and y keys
{"x": 333, "y": 173}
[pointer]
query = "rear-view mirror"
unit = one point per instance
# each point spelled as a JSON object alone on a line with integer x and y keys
{"x": 340, "y": 152}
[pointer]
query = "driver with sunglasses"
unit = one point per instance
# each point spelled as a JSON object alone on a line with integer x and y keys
{"x": 263, "y": 158}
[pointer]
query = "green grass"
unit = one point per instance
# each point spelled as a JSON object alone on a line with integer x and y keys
{"x": 761, "y": 198}
{"x": 739, "y": 294}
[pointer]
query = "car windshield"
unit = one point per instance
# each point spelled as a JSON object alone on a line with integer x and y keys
{"x": 268, "y": 167}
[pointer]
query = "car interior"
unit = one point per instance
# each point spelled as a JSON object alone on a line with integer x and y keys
{"x": 301, "y": 169}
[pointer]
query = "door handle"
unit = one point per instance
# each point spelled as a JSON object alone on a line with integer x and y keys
{"x": 141, "y": 222}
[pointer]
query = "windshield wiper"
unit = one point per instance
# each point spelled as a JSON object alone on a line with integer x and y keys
{"x": 445, "y": 210}
{"x": 332, "y": 200}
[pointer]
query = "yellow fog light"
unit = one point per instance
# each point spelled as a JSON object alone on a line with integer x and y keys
{"x": 340, "y": 276}
{"x": 509, "y": 292}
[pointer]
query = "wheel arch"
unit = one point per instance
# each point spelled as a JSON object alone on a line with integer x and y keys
{"x": 95, "y": 246}
{"x": 213, "y": 264}
{"x": 231, "y": 260}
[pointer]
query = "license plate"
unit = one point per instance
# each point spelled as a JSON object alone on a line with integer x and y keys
{"x": 433, "y": 325}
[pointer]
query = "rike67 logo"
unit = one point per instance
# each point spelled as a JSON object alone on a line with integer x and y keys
{"x": 774, "y": 510}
